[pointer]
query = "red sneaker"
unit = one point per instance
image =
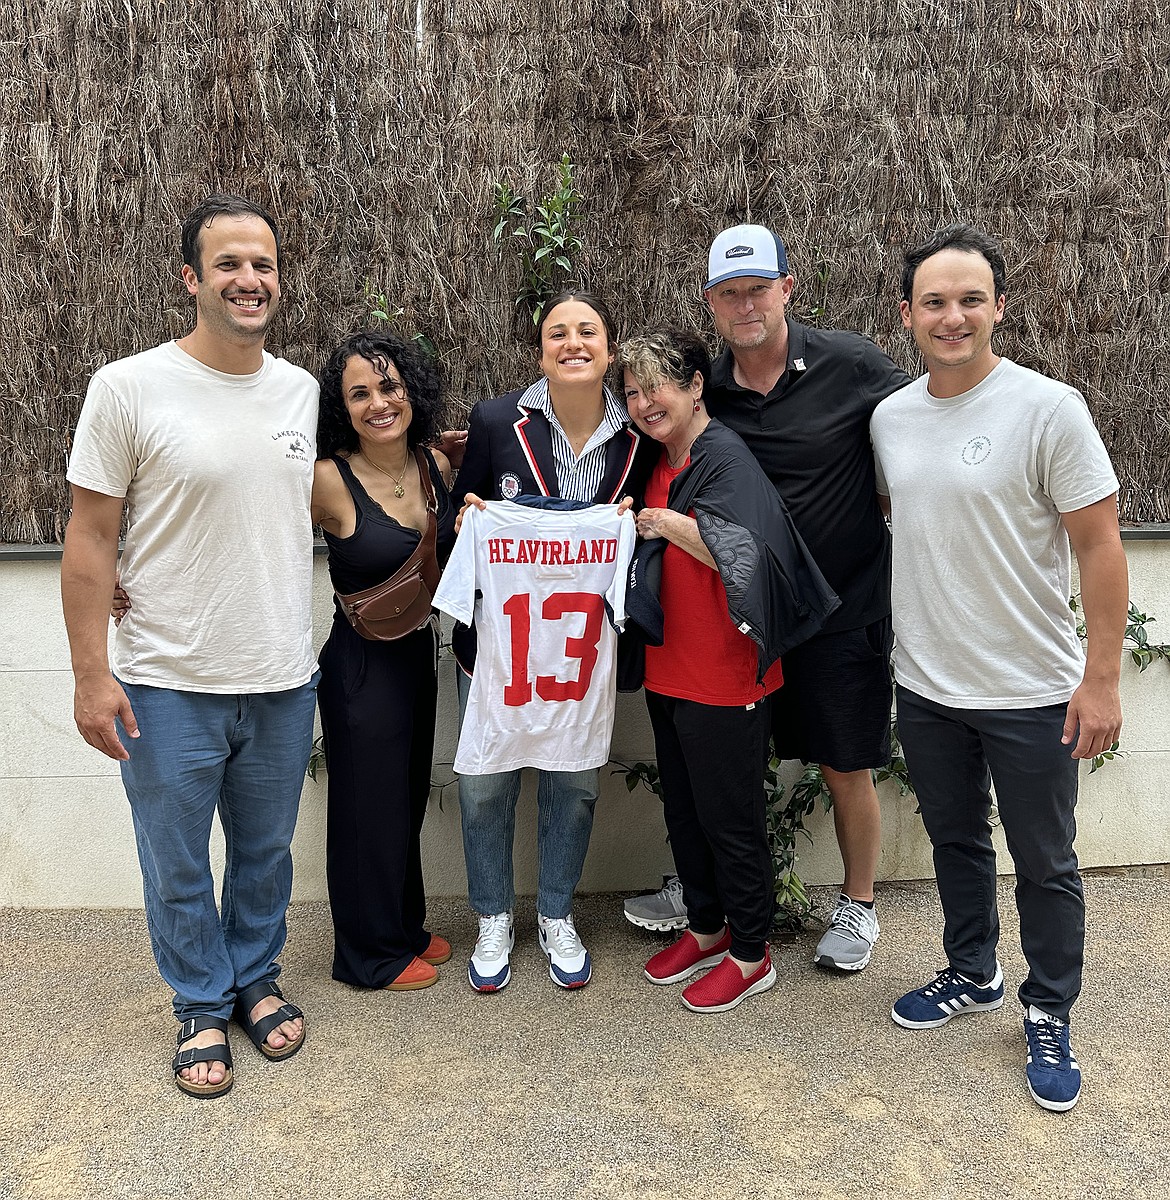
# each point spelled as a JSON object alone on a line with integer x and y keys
{"x": 438, "y": 951}
{"x": 725, "y": 987}
{"x": 416, "y": 974}
{"x": 682, "y": 959}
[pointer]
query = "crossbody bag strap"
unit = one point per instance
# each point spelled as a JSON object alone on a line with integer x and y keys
{"x": 424, "y": 475}
{"x": 423, "y": 558}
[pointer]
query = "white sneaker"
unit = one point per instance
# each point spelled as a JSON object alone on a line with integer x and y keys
{"x": 568, "y": 960}
{"x": 488, "y": 970}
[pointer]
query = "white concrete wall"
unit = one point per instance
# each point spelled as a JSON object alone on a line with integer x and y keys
{"x": 66, "y": 840}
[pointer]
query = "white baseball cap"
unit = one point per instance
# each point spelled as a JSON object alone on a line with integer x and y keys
{"x": 745, "y": 250}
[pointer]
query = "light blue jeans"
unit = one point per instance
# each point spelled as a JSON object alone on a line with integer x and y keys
{"x": 565, "y": 802}
{"x": 244, "y": 755}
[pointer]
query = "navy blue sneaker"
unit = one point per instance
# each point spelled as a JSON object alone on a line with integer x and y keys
{"x": 1054, "y": 1075}
{"x": 948, "y": 995}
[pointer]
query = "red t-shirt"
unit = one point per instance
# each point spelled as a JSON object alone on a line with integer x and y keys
{"x": 703, "y": 656}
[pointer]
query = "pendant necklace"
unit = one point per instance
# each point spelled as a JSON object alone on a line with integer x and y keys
{"x": 399, "y": 490}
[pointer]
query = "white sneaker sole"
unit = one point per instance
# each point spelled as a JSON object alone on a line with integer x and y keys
{"x": 1054, "y": 1105}
{"x": 761, "y": 985}
{"x": 702, "y": 965}
{"x": 666, "y": 925}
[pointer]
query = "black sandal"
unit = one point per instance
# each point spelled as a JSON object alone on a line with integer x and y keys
{"x": 258, "y": 1031}
{"x": 221, "y": 1052}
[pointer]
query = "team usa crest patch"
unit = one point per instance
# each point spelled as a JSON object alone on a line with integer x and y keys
{"x": 509, "y": 486}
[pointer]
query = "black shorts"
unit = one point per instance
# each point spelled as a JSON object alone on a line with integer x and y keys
{"x": 834, "y": 707}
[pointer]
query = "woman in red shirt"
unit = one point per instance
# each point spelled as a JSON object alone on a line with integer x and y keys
{"x": 737, "y": 586}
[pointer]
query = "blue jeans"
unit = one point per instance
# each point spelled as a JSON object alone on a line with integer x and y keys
{"x": 565, "y": 801}
{"x": 953, "y": 756}
{"x": 246, "y": 756}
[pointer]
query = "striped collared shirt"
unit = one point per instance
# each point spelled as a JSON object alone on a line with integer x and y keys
{"x": 578, "y": 477}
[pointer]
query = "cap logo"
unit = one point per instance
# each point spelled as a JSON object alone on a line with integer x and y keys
{"x": 740, "y": 252}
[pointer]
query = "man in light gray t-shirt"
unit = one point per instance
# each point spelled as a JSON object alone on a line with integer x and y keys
{"x": 990, "y": 472}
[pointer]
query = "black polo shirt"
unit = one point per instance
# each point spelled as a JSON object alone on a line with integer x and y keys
{"x": 810, "y": 433}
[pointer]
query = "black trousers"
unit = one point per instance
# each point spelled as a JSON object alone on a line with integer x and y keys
{"x": 377, "y": 703}
{"x": 953, "y": 756}
{"x": 711, "y": 762}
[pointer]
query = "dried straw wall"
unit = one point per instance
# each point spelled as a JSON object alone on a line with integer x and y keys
{"x": 375, "y": 130}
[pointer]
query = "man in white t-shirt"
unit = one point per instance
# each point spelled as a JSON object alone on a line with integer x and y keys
{"x": 991, "y": 471}
{"x": 208, "y": 443}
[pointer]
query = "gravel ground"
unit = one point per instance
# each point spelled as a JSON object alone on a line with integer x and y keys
{"x": 616, "y": 1090}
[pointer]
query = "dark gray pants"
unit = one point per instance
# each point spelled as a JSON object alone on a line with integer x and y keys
{"x": 953, "y": 755}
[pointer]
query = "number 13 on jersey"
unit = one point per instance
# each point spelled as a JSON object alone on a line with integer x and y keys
{"x": 583, "y": 648}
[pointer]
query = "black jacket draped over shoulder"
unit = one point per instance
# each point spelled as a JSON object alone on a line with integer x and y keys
{"x": 776, "y": 593}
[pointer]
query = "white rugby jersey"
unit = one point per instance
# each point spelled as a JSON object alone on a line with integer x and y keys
{"x": 551, "y": 587}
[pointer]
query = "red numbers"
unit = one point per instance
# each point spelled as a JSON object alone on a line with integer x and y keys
{"x": 518, "y": 690}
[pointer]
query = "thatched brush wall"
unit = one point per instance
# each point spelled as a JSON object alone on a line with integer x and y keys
{"x": 376, "y": 130}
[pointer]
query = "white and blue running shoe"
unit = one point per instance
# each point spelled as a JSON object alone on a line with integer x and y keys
{"x": 489, "y": 970}
{"x": 568, "y": 960}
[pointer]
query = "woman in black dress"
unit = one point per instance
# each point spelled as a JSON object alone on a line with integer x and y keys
{"x": 379, "y": 400}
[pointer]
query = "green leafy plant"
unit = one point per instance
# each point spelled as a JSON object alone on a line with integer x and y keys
{"x": 379, "y": 308}
{"x": 543, "y": 235}
{"x": 785, "y": 818}
{"x": 316, "y": 758}
{"x": 644, "y": 773}
{"x": 1136, "y": 641}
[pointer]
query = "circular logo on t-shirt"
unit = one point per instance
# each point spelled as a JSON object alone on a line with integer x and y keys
{"x": 976, "y": 450}
{"x": 509, "y": 486}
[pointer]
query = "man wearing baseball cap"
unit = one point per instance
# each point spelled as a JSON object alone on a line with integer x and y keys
{"x": 801, "y": 398}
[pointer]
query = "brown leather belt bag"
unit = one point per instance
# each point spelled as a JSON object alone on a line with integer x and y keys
{"x": 390, "y": 610}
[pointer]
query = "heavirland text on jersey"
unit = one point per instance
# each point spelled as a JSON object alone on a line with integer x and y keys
{"x": 551, "y": 554}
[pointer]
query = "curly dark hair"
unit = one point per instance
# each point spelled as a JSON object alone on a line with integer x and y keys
{"x": 419, "y": 375}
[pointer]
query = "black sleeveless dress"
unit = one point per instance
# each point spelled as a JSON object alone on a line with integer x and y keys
{"x": 377, "y": 703}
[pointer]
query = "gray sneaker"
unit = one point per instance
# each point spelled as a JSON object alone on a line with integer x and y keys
{"x": 662, "y": 910}
{"x": 848, "y": 942}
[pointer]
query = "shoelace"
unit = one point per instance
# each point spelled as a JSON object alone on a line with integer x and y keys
{"x": 563, "y": 934}
{"x": 852, "y": 917}
{"x": 672, "y": 889}
{"x": 1048, "y": 1041}
{"x": 493, "y": 933}
{"x": 945, "y": 981}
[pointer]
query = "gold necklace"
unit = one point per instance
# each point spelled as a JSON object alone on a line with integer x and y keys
{"x": 399, "y": 490}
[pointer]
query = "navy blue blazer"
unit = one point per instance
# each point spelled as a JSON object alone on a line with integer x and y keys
{"x": 509, "y": 453}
